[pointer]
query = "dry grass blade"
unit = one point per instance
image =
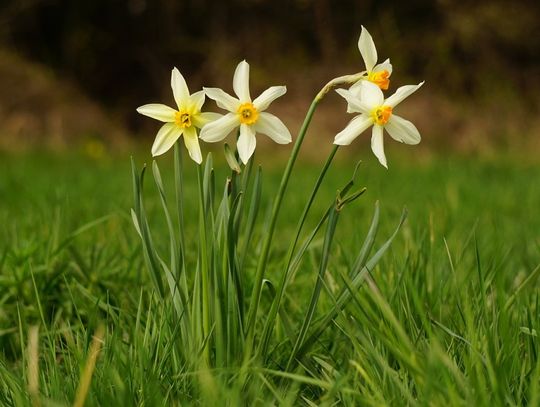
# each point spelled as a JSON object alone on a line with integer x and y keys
{"x": 33, "y": 365}
{"x": 86, "y": 377}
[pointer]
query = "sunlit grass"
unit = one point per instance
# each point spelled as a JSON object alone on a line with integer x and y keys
{"x": 451, "y": 315}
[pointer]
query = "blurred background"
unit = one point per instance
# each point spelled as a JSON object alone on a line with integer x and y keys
{"x": 73, "y": 72}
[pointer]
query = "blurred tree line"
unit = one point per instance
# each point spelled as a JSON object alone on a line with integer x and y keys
{"x": 121, "y": 51}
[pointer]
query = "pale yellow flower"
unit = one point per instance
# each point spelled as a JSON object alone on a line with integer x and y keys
{"x": 182, "y": 121}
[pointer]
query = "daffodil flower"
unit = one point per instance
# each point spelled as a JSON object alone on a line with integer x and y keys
{"x": 246, "y": 114}
{"x": 378, "y": 112}
{"x": 182, "y": 121}
{"x": 378, "y": 74}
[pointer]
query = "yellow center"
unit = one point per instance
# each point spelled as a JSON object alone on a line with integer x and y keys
{"x": 381, "y": 114}
{"x": 380, "y": 78}
{"x": 182, "y": 119}
{"x": 248, "y": 113}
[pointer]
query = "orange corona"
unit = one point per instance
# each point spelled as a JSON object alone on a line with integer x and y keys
{"x": 381, "y": 115}
{"x": 380, "y": 78}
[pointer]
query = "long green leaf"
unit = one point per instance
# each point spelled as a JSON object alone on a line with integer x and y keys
{"x": 149, "y": 252}
{"x": 329, "y": 237}
{"x": 292, "y": 263}
{"x": 368, "y": 242}
{"x": 254, "y": 206}
{"x": 345, "y": 296}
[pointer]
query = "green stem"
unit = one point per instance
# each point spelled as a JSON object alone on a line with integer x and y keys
{"x": 269, "y": 325}
{"x": 203, "y": 248}
{"x": 261, "y": 265}
{"x": 179, "y": 184}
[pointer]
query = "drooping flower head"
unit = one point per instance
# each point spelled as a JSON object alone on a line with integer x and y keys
{"x": 182, "y": 121}
{"x": 379, "y": 74}
{"x": 246, "y": 114}
{"x": 368, "y": 100}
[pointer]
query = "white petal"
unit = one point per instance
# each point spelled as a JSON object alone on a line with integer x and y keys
{"x": 402, "y": 130}
{"x": 197, "y": 100}
{"x": 377, "y": 144}
{"x": 268, "y": 96}
{"x": 192, "y": 144}
{"x": 158, "y": 111}
{"x": 219, "y": 129}
{"x": 273, "y": 127}
{"x": 355, "y": 88}
{"x": 355, "y": 127}
{"x": 241, "y": 82}
{"x": 246, "y": 143}
{"x": 354, "y": 104}
{"x": 202, "y": 119}
{"x": 367, "y": 49}
{"x": 401, "y": 93}
{"x": 223, "y": 99}
{"x": 384, "y": 66}
{"x": 165, "y": 139}
{"x": 370, "y": 94}
{"x": 179, "y": 88}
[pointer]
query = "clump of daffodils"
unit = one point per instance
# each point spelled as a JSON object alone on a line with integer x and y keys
{"x": 217, "y": 311}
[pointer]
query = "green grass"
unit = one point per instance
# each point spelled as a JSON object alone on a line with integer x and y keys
{"x": 450, "y": 316}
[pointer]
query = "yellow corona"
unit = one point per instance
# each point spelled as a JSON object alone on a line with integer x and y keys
{"x": 182, "y": 119}
{"x": 248, "y": 113}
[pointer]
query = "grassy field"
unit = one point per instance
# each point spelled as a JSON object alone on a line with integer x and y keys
{"x": 450, "y": 316}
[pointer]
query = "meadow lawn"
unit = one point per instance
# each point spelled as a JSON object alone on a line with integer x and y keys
{"x": 451, "y": 316}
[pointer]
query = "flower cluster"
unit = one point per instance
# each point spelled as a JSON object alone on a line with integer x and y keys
{"x": 366, "y": 97}
{"x": 249, "y": 117}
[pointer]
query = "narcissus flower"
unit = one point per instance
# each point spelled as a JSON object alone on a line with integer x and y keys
{"x": 368, "y": 100}
{"x": 378, "y": 74}
{"x": 247, "y": 114}
{"x": 182, "y": 121}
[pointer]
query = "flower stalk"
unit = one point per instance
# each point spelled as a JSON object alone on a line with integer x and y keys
{"x": 263, "y": 259}
{"x": 280, "y": 292}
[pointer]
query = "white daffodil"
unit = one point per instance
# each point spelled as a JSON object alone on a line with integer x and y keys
{"x": 182, "y": 121}
{"x": 378, "y": 74}
{"x": 376, "y": 111}
{"x": 247, "y": 114}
